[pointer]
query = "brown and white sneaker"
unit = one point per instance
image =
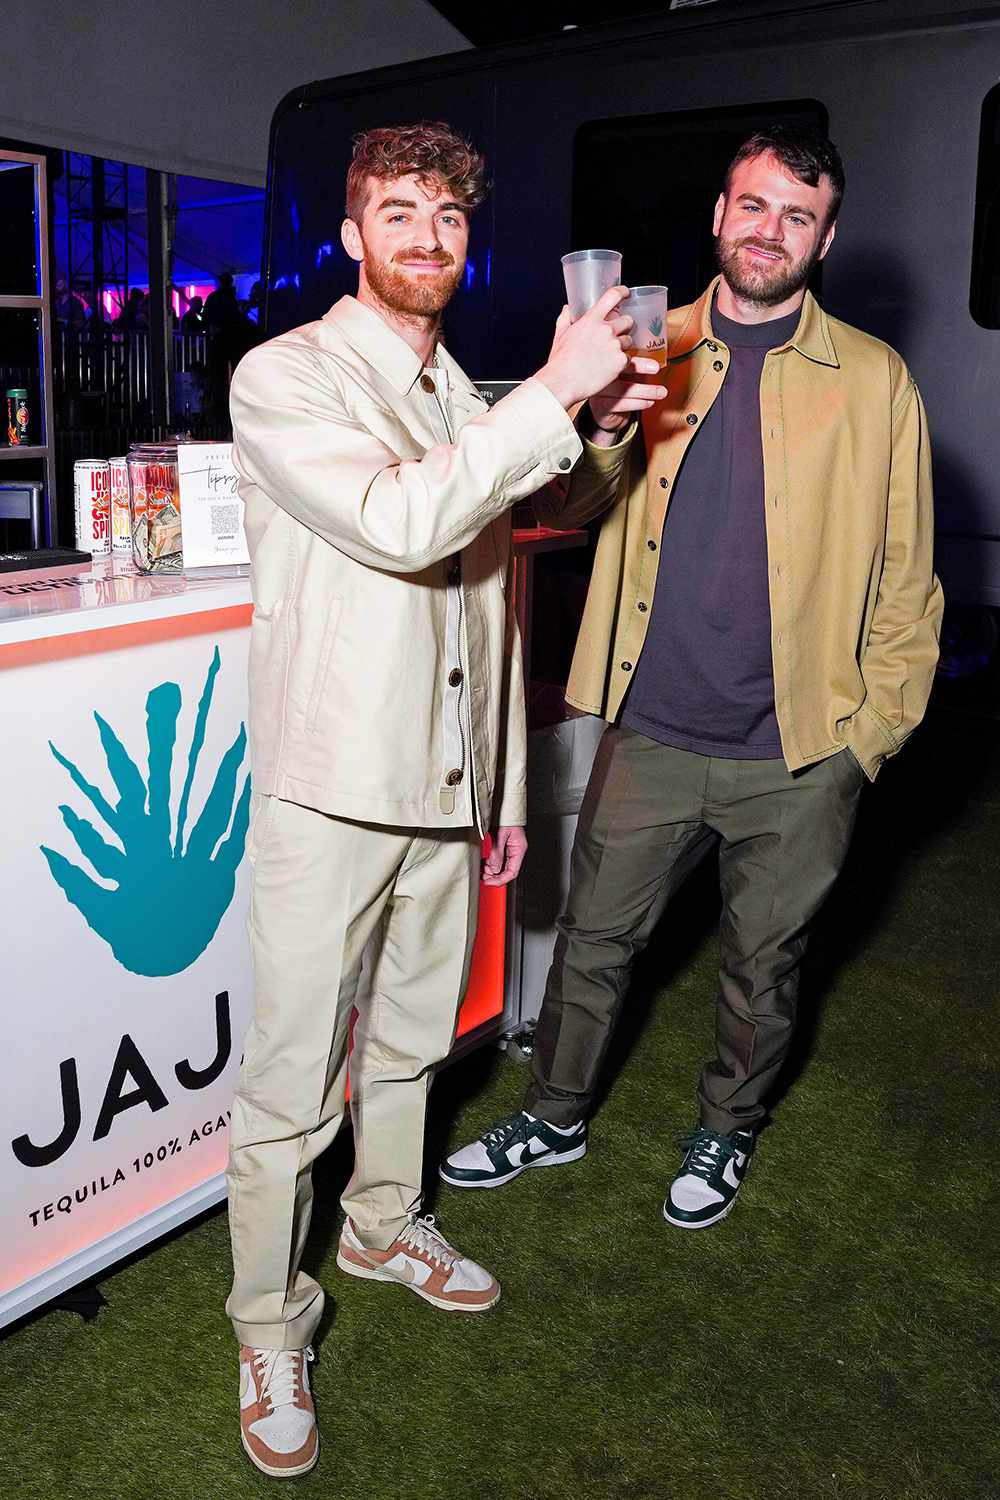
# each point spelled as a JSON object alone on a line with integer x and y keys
{"x": 277, "y": 1416}
{"x": 422, "y": 1259}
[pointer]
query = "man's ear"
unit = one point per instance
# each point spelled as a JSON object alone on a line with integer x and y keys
{"x": 350, "y": 236}
{"x": 828, "y": 239}
{"x": 720, "y": 208}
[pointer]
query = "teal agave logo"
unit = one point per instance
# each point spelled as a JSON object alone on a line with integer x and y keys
{"x": 166, "y": 897}
{"x": 656, "y": 327}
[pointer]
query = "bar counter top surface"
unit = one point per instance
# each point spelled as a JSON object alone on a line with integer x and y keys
{"x": 36, "y": 605}
{"x": 39, "y": 604}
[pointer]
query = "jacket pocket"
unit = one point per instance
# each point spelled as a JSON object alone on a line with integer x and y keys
{"x": 314, "y": 707}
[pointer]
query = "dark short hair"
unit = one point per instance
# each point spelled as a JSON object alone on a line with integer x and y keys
{"x": 429, "y": 150}
{"x": 802, "y": 150}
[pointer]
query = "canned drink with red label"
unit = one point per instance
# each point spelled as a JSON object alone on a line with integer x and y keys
{"x": 18, "y": 417}
{"x": 92, "y": 498}
{"x": 121, "y": 529}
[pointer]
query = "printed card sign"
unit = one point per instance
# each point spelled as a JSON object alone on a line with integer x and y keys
{"x": 211, "y": 509}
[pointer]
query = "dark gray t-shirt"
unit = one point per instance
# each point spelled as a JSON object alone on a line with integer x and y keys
{"x": 704, "y": 680}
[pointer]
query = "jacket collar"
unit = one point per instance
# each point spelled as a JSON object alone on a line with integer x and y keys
{"x": 813, "y": 336}
{"x": 390, "y": 356}
{"x": 372, "y": 338}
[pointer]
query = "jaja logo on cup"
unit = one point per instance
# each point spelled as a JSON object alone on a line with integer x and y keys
{"x": 164, "y": 897}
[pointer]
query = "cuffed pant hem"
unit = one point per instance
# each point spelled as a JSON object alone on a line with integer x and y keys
{"x": 723, "y": 1123}
{"x": 561, "y": 1112}
{"x": 295, "y": 1335}
{"x": 383, "y": 1236}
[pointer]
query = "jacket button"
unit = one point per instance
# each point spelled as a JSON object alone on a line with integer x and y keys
{"x": 453, "y": 778}
{"x": 626, "y": 666}
{"x": 565, "y": 463}
{"x": 455, "y": 677}
{"x": 664, "y": 483}
{"x": 427, "y": 384}
{"x": 691, "y": 419}
{"x": 641, "y": 607}
{"x": 718, "y": 365}
{"x": 713, "y": 347}
{"x": 651, "y": 545}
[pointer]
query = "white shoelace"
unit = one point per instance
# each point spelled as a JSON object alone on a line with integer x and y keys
{"x": 426, "y": 1240}
{"x": 280, "y": 1374}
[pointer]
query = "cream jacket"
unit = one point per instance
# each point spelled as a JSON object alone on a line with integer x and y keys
{"x": 855, "y": 606}
{"x": 354, "y": 512}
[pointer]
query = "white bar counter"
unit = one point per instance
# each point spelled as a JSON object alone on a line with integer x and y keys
{"x": 126, "y": 976}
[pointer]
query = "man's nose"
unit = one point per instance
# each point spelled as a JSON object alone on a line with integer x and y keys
{"x": 770, "y": 227}
{"x": 427, "y": 237}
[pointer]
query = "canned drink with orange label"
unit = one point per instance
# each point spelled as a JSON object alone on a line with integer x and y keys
{"x": 121, "y": 529}
{"x": 92, "y": 501}
{"x": 18, "y": 417}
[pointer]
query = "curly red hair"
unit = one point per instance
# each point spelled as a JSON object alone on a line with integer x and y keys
{"x": 429, "y": 150}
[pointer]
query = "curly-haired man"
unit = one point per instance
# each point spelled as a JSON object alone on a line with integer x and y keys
{"x": 387, "y": 734}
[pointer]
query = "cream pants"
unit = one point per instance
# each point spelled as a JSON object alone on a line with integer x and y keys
{"x": 327, "y": 892}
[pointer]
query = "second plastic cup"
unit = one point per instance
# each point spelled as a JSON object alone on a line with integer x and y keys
{"x": 588, "y": 275}
{"x": 647, "y": 307}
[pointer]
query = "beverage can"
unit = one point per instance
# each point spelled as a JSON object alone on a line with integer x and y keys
{"x": 18, "y": 417}
{"x": 121, "y": 530}
{"x": 92, "y": 505}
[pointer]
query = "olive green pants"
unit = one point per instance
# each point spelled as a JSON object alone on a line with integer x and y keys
{"x": 650, "y": 814}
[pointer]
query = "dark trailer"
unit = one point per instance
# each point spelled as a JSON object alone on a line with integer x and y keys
{"x": 618, "y": 135}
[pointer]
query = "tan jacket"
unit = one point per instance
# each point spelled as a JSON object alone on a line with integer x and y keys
{"x": 855, "y": 606}
{"x": 354, "y": 509}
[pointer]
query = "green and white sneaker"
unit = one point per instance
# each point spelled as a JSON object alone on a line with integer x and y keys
{"x": 710, "y": 1177}
{"x": 514, "y": 1144}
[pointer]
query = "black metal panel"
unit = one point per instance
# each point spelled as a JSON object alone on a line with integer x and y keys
{"x": 307, "y": 268}
{"x": 903, "y": 83}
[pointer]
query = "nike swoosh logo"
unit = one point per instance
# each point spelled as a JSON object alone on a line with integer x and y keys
{"x": 244, "y": 1384}
{"x": 407, "y": 1273}
{"x": 531, "y": 1150}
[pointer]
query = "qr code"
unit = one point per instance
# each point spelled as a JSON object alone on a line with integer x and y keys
{"x": 225, "y": 520}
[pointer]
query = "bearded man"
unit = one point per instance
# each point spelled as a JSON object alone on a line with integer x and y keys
{"x": 761, "y": 632}
{"x": 387, "y": 737}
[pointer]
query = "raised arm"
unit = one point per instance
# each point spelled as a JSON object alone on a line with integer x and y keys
{"x": 296, "y": 441}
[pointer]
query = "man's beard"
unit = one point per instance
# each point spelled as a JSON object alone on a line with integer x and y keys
{"x": 762, "y": 285}
{"x": 412, "y": 298}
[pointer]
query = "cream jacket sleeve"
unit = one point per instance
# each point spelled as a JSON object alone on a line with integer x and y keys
{"x": 300, "y": 441}
{"x": 595, "y": 484}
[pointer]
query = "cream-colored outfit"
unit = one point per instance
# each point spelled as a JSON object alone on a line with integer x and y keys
{"x": 387, "y": 733}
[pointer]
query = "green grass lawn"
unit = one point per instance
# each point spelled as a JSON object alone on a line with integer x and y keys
{"x": 837, "y": 1336}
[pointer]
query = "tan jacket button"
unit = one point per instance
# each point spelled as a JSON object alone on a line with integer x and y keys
{"x": 691, "y": 419}
{"x": 427, "y": 384}
{"x": 454, "y": 677}
{"x": 626, "y": 666}
{"x": 453, "y": 778}
{"x": 565, "y": 463}
{"x": 664, "y": 483}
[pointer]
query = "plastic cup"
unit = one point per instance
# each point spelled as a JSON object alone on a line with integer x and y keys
{"x": 588, "y": 275}
{"x": 647, "y": 307}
